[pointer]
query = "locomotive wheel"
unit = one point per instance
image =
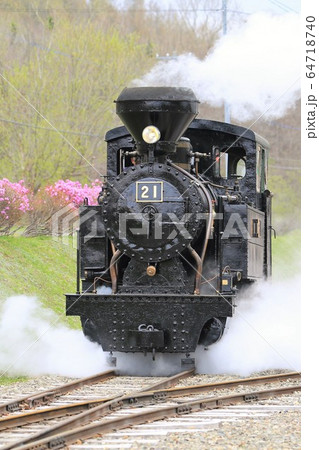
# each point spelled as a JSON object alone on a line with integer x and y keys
{"x": 212, "y": 331}
{"x": 90, "y": 330}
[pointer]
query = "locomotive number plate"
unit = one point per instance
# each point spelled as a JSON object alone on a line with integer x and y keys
{"x": 149, "y": 191}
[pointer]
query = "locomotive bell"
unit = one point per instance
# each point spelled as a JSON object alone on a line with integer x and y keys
{"x": 157, "y": 115}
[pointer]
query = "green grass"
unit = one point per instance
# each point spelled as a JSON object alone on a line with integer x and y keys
{"x": 4, "y": 380}
{"x": 286, "y": 254}
{"x": 38, "y": 267}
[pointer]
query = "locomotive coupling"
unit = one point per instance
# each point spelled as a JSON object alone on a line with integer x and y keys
{"x": 146, "y": 337}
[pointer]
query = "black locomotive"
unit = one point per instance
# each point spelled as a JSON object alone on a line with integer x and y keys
{"x": 183, "y": 223}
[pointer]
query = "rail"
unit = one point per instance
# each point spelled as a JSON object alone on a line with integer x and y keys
{"x": 98, "y": 411}
{"x": 46, "y": 397}
{"x": 50, "y": 437}
{"x": 157, "y": 392}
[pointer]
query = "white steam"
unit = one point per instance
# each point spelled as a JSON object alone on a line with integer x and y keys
{"x": 104, "y": 290}
{"x": 32, "y": 342}
{"x": 255, "y": 68}
{"x": 263, "y": 334}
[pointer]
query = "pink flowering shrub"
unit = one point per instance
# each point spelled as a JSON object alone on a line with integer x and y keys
{"x": 68, "y": 192}
{"x": 62, "y": 197}
{"x": 18, "y": 204}
{"x": 14, "y": 202}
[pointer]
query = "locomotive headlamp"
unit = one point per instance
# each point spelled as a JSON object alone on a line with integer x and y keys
{"x": 151, "y": 134}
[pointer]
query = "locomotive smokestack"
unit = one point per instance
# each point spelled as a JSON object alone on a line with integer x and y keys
{"x": 157, "y": 115}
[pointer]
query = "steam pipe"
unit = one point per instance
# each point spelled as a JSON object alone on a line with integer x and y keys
{"x": 113, "y": 272}
{"x": 210, "y": 208}
{"x": 199, "y": 269}
{"x": 113, "y": 253}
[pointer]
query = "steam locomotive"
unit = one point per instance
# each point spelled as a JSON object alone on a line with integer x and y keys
{"x": 183, "y": 223}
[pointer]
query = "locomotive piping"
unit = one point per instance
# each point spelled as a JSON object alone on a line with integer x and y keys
{"x": 113, "y": 252}
{"x": 199, "y": 269}
{"x": 113, "y": 272}
{"x": 210, "y": 219}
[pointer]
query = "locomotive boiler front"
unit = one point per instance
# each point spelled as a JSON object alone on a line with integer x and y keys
{"x": 151, "y": 210}
{"x": 149, "y": 217}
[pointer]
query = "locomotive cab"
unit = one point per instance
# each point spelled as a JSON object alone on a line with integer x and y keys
{"x": 183, "y": 223}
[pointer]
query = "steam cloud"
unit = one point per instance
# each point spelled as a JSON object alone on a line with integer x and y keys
{"x": 263, "y": 334}
{"x": 32, "y": 343}
{"x": 254, "y": 68}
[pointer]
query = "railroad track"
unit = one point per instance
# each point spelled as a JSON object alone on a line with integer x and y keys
{"x": 147, "y": 405}
{"x": 48, "y": 396}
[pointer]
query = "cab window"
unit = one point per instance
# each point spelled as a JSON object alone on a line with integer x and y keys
{"x": 230, "y": 163}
